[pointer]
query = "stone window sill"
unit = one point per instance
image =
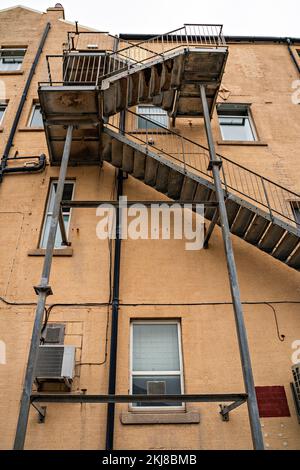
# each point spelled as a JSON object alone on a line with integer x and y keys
{"x": 65, "y": 252}
{"x": 11, "y": 72}
{"x": 31, "y": 129}
{"x": 160, "y": 418}
{"x": 255, "y": 143}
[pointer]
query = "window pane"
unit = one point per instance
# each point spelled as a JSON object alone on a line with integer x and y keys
{"x": 142, "y": 384}
{"x": 2, "y": 111}
{"x": 67, "y": 195}
{"x": 155, "y": 347}
{"x": 236, "y": 128}
{"x": 153, "y": 113}
{"x": 11, "y": 59}
{"x": 37, "y": 118}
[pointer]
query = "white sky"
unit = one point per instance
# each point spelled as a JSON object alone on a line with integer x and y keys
{"x": 240, "y": 17}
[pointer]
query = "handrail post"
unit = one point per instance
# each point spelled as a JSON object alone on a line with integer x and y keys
{"x": 267, "y": 197}
{"x": 257, "y": 438}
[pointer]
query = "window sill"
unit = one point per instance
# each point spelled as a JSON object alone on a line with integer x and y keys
{"x": 11, "y": 72}
{"x": 255, "y": 143}
{"x": 32, "y": 129}
{"x": 65, "y": 252}
{"x": 160, "y": 418}
{"x": 1, "y": 129}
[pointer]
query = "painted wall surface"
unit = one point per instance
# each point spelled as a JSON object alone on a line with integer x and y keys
{"x": 159, "y": 279}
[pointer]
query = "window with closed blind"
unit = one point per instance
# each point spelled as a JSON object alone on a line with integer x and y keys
{"x": 156, "y": 362}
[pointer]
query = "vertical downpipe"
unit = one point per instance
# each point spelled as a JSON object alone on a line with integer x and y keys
{"x": 110, "y": 424}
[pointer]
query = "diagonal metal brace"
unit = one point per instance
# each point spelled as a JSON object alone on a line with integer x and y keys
{"x": 42, "y": 410}
{"x": 211, "y": 227}
{"x": 225, "y": 409}
{"x": 213, "y": 163}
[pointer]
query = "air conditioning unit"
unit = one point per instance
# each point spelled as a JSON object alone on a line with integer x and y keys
{"x": 295, "y": 387}
{"x": 56, "y": 364}
{"x": 296, "y": 377}
{"x": 156, "y": 387}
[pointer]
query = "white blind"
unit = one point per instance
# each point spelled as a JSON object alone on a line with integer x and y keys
{"x": 155, "y": 347}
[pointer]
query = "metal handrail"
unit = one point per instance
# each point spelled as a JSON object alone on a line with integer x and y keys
{"x": 133, "y": 54}
{"x": 264, "y": 192}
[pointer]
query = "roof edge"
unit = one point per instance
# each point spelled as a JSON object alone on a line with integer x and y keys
{"x": 229, "y": 39}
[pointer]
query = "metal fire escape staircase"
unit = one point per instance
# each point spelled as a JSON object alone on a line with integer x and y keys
{"x": 164, "y": 71}
{"x": 180, "y": 71}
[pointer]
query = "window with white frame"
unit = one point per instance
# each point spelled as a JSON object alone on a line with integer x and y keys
{"x": 236, "y": 122}
{"x": 156, "y": 362}
{"x": 3, "y": 107}
{"x": 11, "y": 59}
{"x": 36, "y": 118}
{"x": 154, "y": 114}
{"x": 67, "y": 196}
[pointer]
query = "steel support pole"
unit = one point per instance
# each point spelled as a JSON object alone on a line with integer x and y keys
{"x": 43, "y": 290}
{"x": 257, "y": 437}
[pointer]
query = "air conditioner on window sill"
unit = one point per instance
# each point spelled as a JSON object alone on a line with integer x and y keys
{"x": 55, "y": 367}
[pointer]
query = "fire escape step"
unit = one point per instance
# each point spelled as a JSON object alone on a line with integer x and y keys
{"x": 294, "y": 261}
{"x": 257, "y": 229}
{"x": 271, "y": 238}
{"x": 117, "y": 153}
{"x": 175, "y": 183}
{"x": 162, "y": 178}
{"x": 286, "y": 246}
{"x": 128, "y": 159}
{"x": 242, "y": 221}
{"x": 151, "y": 171}
{"x": 139, "y": 165}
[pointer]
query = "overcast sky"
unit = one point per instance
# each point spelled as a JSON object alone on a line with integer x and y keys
{"x": 240, "y": 17}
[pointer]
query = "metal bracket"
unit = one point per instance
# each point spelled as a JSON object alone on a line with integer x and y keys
{"x": 42, "y": 411}
{"x": 213, "y": 163}
{"x": 226, "y": 409}
{"x": 43, "y": 289}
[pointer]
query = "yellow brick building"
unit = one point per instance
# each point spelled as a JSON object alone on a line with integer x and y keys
{"x": 162, "y": 317}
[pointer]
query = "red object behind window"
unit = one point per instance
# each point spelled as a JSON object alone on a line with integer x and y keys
{"x": 272, "y": 402}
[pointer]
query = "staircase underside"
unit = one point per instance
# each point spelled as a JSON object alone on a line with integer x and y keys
{"x": 247, "y": 221}
{"x": 171, "y": 83}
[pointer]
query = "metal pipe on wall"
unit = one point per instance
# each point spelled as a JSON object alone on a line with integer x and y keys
{"x": 114, "y": 323}
{"x": 215, "y": 165}
{"x": 42, "y": 290}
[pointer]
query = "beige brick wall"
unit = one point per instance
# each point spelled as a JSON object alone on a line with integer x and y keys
{"x": 152, "y": 272}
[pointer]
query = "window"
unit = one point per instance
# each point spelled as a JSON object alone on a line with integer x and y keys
{"x": 235, "y": 122}
{"x": 156, "y": 361}
{"x": 11, "y": 59}
{"x": 296, "y": 211}
{"x": 2, "y": 112}
{"x": 36, "y": 118}
{"x": 67, "y": 196}
{"x": 155, "y": 114}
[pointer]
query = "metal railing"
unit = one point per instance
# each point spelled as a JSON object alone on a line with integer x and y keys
{"x": 252, "y": 187}
{"x": 79, "y": 67}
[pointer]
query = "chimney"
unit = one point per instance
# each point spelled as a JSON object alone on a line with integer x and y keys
{"x": 57, "y": 12}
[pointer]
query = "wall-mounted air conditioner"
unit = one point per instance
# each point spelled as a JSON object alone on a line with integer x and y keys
{"x": 156, "y": 387}
{"x": 56, "y": 364}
